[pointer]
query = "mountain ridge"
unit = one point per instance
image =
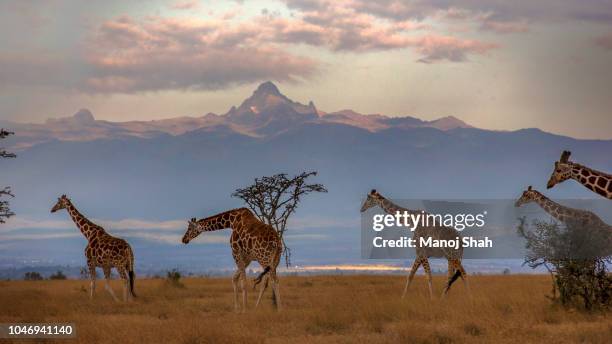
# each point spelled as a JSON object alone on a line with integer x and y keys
{"x": 265, "y": 113}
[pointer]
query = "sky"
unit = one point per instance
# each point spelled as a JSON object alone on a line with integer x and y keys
{"x": 494, "y": 64}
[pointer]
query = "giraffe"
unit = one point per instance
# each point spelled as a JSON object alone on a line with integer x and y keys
{"x": 454, "y": 256}
{"x": 590, "y": 225}
{"x": 562, "y": 213}
{"x": 596, "y": 181}
{"x": 102, "y": 250}
{"x": 251, "y": 240}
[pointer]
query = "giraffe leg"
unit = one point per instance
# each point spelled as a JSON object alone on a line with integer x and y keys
{"x": 126, "y": 288}
{"x": 263, "y": 288}
{"x": 244, "y": 290}
{"x": 92, "y": 279}
{"x": 428, "y": 272}
{"x": 107, "y": 286}
{"x": 235, "y": 279}
{"x": 464, "y": 279}
{"x": 452, "y": 266}
{"x": 275, "y": 288}
{"x": 413, "y": 270}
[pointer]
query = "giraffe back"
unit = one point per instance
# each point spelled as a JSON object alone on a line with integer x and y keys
{"x": 255, "y": 240}
{"x": 438, "y": 233}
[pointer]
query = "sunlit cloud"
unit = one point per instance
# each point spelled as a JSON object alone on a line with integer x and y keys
{"x": 128, "y": 54}
{"x": 185, "y": 5}
{"x": 605, "y": 41}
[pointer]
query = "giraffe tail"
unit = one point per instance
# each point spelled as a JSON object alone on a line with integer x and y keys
{"x": 131, "y": 274}
{"x": 261, "y": 275}
{"x": 132, "y": 277}
{"x": 452, "y": 280}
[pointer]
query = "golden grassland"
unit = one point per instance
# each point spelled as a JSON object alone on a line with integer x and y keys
{"x": 321, "y": 309}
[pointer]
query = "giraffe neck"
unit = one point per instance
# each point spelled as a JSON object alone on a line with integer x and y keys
{"x": 392, "y": 208}
{"x": 229, "y": 219}
{"x": 596, "y": 181}
{"x": 554, "y": 209}
{"x": 86, "y": 227}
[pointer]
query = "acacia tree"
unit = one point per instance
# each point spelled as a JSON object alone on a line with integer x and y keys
{"x": 273, "y": 199}
{"x": 5, "y": 211}
{"x": 576, "y": 256}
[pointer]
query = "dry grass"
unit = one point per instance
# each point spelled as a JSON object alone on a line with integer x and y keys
{"x": 326, "y": 309}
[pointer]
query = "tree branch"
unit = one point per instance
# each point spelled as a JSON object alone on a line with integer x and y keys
{"x": 274, "y": 198}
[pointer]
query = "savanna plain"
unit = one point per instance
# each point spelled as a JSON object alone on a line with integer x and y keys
{"x": 315, "y": 309}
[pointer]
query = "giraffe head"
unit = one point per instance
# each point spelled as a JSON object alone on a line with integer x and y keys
{"x": 372, "y": 200}
{"x": 193, "y": 230}
{"x": 62, "y": 203}
{"x": 528, "y": 195}
{"x": 562, "y": 171}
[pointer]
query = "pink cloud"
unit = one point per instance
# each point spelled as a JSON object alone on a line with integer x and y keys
{"x": 604, "y": 41}
{"x": 435, "y": 48}
{"x": 341, "y": 26}
{"x": 518, "y": 26}
{"x": 185, "y": 5}
{"x": 128, "y": 55}
{"x": 159, "y": 53}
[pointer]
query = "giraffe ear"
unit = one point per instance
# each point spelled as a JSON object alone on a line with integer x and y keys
{"x": 373, "y": 191}
{"x": 193, "y": 219}
{"x": 529, "y": 188}
{"x": 565, "y": 156}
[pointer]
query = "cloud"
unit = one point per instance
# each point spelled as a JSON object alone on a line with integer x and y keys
{"x": 518, "y": 26}
{"x": 128, "y": 56}
{"x": 37, "y": 236}
{"x": 169, "y": 232}
{"x": 185, "y": 5}
{"x": 500, "y": 17}
{"x": 436, "y": 48}
{"x": 542, "y": 10}
{"x": 361, "y": 26}
{"x": 18, "y": 223}
{"x": 604, "y": 41}
{"x": 300, "y": 223}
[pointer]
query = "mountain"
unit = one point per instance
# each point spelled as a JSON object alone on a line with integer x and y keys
{"x": 267, "y": 112}
{"x": 147, "y": 173}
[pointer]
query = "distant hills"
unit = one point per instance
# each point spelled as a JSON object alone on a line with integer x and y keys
{"x": 195, "y": 161}
{"x": 267, "y": 112}
{"x": 179, "y": 168}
